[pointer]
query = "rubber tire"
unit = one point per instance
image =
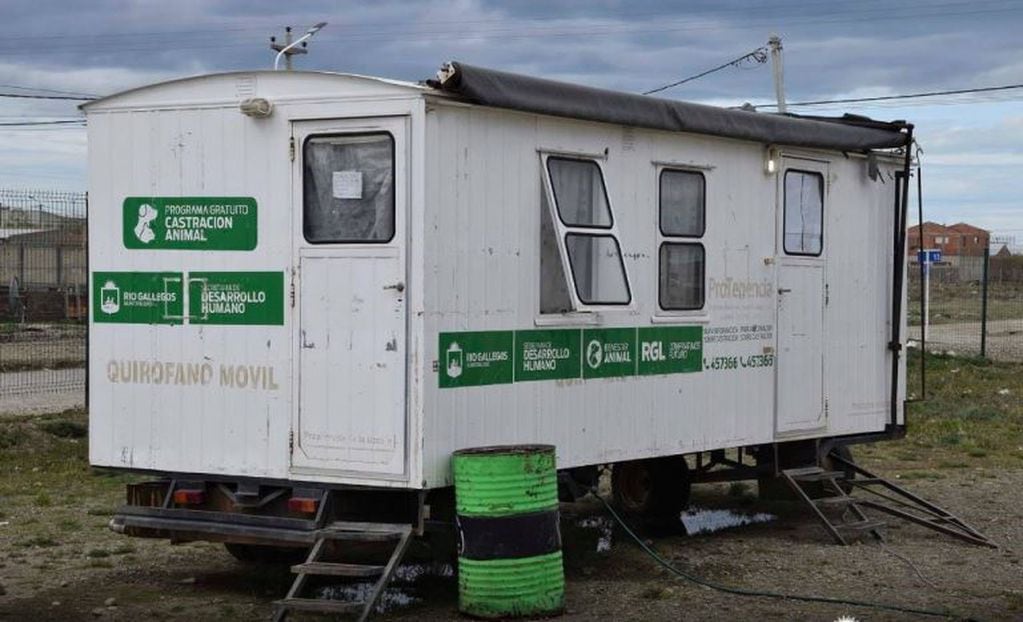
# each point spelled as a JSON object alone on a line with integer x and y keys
{"x": 666, "y": 483}
{"x": 266, "y": 554}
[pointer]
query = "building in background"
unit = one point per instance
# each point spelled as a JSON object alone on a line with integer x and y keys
{"x": 962, "y": 247}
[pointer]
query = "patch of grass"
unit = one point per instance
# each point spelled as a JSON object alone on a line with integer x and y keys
{"x": 97, "y": 553}
{"x": 100, "y": 563}
{"x": 39, "y": 541}
{"x": 976, "y": 452}
{"x": 43, "y": 500}
{"x": 922, "y": 475}
{"x": 11, "y": 437}
{"x": 123, "y": 549}
{"x": 65, "y": 429}
{"x": 69, "y": 524}
{"x": 952, "y": 464}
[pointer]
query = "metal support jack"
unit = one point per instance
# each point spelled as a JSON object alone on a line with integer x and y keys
{"x": 840, "y": 527}
{"x": 399, "y": 534}
{"x": 897, "y": 501}
{"x": 887, "y": 498}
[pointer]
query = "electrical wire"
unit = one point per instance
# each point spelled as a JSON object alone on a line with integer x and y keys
{"x": 44, "y": 90}
{"x": 759, "y": 56}
{"x": 29, "y": 123}
{"x": 759, "y": 593}
{"x": 882, "y": 98}
{"x": 27, "y": 96}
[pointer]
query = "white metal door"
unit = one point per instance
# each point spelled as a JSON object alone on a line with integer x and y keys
{"x": 350, "y": 195}
{"x": 802, "y": 201}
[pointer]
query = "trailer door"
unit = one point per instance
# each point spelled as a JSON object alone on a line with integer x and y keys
{"x": 802, "y": 198}
{"x": 350, "y": 197}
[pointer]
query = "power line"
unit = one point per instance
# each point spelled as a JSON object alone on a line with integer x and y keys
{"x": 759, "y": 56}
{"x": 860, "y": 100}
{"x": 30, "y": 123}
{"x": 44, "y": 90}
{"x": 27, "y": 96}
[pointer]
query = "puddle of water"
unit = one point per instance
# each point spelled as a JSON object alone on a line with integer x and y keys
{"x": 605, "y": 528}
{"x": 400, "y": 593}
{"x": 699, "y": 520}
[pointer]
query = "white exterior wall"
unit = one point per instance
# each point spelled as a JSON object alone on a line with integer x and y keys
{"x": 473, "y": 228}
{"x": 482, "y": 252}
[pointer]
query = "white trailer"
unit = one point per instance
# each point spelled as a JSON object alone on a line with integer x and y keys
{"x": 315, "y": 281}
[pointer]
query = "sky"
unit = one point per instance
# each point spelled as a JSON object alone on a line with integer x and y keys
{"x": 972, "y": 145}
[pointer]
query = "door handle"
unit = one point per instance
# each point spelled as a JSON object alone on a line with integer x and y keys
{"x": 398, "y": 287}
{"x": 784, "y": 290}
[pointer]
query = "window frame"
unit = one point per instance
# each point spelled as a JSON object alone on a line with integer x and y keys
{"x": 660, "y": 203}
{"x": 703, "y": 274}
{"x": 675, "y": 239}
{"x": 394, "y": 185}
{"x": 579, "y": 308}
{"x": 603, "y": 187}
{"x": 785, "y": 212}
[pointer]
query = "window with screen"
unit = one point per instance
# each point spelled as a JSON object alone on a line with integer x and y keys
{"x": 348, "y": 188}
{"x": 580, "y": 230}
{"x": 803, "y": 212}
{"x": 682, "y": 210}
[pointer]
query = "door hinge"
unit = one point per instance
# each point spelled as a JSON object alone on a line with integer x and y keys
{"x": 825, "y": 408}
{"x": 291, "y": 148}
{"x": 291, "y": 289}
{"x": 827, "y": 294}
{"x": 291, "y": 442}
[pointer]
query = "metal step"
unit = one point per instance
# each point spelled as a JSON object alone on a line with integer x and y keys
{"x": 834, "y": 502}
{"x": 861, "y": 525}
{"x": 817, "y": 475}
{"x": 338, "y": 570}
{"x": 364, "y": 532}
{"x": 319, "y": 605}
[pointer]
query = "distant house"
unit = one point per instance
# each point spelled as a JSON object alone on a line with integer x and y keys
{"x": 1003, "y": 252}
{"x": 958, "y": 240}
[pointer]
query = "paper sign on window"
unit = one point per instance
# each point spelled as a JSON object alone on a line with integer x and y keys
{"x": 347, "y": 184}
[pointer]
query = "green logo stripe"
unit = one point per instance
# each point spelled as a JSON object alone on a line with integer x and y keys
{"x": 502, "y": 357}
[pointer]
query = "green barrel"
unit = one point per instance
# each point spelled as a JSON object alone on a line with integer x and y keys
{"x": 509, "y": 549}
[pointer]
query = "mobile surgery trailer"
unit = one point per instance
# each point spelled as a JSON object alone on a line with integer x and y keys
{"x": 316, "y": 281}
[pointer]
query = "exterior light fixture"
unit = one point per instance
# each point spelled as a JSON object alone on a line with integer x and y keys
{"x": 771, "y": 156}
{"x": 256, "y": 107}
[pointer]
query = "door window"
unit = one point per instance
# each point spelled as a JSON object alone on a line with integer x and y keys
{"x": 804, "y": 213}
{"x": 348, "y": 188}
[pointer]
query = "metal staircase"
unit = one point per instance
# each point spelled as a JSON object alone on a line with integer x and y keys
{"x": 843, "y": 515}
{"x": 315, "y": 565}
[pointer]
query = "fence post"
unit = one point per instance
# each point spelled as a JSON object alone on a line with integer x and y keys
{"x": 983, "y": 303}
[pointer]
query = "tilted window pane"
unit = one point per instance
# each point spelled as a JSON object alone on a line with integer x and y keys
{"x": 554, "y": 296}
{"x": 682, "y": 203}
{"x": 579, "y": 192}
{"x": 348, "y": 188}
{"x": 597, "y": 268}
{"x": 681, "y": 282}
{"x": 804, "y": 213}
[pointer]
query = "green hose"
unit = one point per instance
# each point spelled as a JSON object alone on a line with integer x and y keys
{"x": 747, "y": 592}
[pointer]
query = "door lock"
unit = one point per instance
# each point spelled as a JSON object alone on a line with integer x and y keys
{"x": 398, "y": 287}
{"x": 784, "y": 290}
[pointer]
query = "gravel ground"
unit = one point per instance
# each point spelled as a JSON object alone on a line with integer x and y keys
{"x": 153, "y": 580}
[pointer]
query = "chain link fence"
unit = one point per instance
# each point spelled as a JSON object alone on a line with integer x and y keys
{"x": 43, "y": 291}
{"x": 975, "y": 307}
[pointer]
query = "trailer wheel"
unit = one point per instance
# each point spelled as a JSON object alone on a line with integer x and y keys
{"x": 266, "y": 554}
{"x": 653, "y": 489}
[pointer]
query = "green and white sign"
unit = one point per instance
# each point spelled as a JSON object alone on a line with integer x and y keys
{"x": 547, "y": 354}
{"x": 609, "y": 352}
{"x": 502, "y": 357}
{"x": 476, "y": 358}
{"x": 670, "y": 349}
{"x": 190, "y": 223}
{"x": 236, "y": 298}
{"x": 138, "y": 297}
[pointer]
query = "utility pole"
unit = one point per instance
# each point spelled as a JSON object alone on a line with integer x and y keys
{"x": 289, "y": 47}
{"x": 774, "y": 42}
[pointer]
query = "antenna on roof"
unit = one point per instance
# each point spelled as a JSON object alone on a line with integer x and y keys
{"x": 289, "y": 47}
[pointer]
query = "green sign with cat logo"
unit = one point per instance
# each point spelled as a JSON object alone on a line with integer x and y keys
{"x": 190, "y": 223}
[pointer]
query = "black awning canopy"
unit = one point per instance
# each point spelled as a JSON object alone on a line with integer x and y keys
{"x": 500, "y": 89}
